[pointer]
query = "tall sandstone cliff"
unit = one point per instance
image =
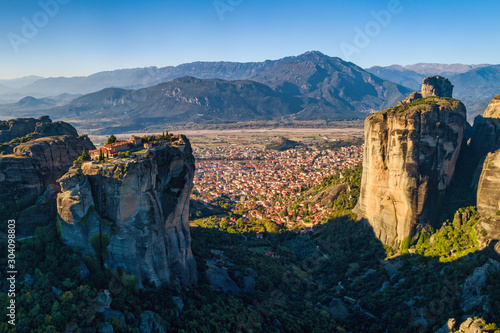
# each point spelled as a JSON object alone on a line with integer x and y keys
{"x": 409, "y": 160}
{"x": 29, "y": 170}
{"x": 485, "y": 135}
{"x": 488, "y": 198}
{"x": 485, "y": 144}
{"x": 133, "y": 214}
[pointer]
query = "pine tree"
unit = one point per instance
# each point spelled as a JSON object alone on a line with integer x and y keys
{"x": 85, "y": 155}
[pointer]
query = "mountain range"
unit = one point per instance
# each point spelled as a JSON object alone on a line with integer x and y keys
{"x": 475, "y": 85}
{"x": 310, "y": 86}
{"x": 307, "y": 87}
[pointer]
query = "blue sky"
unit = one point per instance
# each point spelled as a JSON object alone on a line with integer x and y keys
{"x": 82, "y": 37}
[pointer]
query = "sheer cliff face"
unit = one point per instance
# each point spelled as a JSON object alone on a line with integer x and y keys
{"x": 36, "y": 164}
{"x": 409, "y": 160}
{"x": 488, "y": 197}
{"x": 133, "y": 215}
{"x": 486, "y": 131}
{"x": 486, "y": 139}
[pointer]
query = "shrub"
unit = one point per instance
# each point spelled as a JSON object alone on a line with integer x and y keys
{"x": 405, "y": 245}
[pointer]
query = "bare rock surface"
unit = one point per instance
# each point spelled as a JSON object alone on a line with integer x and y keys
{"x": 485, "y": 137}
{"x": 431, "y": 86}
{"x": 471, "y": 326}
{"x": 409, "y": 161}
{"x": 133, "y": 214}
{"x": 448, "y": 327}
{"x": 328, "y": 195}
{"x": 437, "y": 86}
{"x": 488, "y": 198}
{"x": 472, "y": 288}
{"x": 220, "y": 280}
{"x": 493, "y": 109}
{"x": 29, "y": 169}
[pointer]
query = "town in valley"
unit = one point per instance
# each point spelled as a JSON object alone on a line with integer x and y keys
{"x": 250, "y": 181}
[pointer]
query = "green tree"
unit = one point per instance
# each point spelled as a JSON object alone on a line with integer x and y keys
{"x": 85, "y": 155}
{"x": 240, "y": 223}
{"x": 111, "y": 139}
{"x": 271, "y": 227}
{"x": 223, "y": 224}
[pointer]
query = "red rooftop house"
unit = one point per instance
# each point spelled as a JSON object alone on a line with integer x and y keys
{"x": 148, "y": 145}
{"x": 107, "y": 153}
{"x": 121, "y": 145}
{"x": 135, "y": 141}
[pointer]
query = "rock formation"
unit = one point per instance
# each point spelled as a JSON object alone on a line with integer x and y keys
{"x": 431, "y": 86}
{"x": 133, "y": 214}
{"x": 472, "y": 325}
{"x": 36, "y": 128}
{"x": 409, "y": 161}
{"x": 493, "y": 109}
{"x": 485, "y": 136}
{"x": 473, "y": 293}
{"x": 488, "y": 198}
{"x": 29, "y": 170}
{"x": 484, "y": 148}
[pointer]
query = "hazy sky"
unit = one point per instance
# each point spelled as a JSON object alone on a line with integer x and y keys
{"x": 81, "y": 37}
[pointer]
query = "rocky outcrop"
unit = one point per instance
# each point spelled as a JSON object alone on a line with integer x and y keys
{"x": 431, "y": 86}
{"x": 496, "y": 252}
{"x": 36, "y": 128}
{"x": 29, "y": 170}
{"x": 472, "y": 294}
{"x": 219, "y": 279}
{"x": 133, "y": 214}
{"x": 437, "y": 86}
{"x": 488, "y": 199}
{"x": 328, "y": 196}
{"x": 409, "y": 160}
{"x": 472, "y": 326}
{"x": 448, "y": 327}
{"x": 485, "y": 137}
{"x": 493, "y": 109}
{"x": 484, "y": 147}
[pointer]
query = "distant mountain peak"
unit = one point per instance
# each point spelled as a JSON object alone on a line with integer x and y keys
{"x": 318, "y": 53}
{"x": 30, "y": 101}
{"x": 27, "y": 99}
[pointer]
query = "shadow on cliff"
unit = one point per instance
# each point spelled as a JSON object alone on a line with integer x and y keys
{"x": 337, "y": 274}
{"x": 342, "y": 268}
{"x": 459, "y": 193}
{"x": 480, "y": 140}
